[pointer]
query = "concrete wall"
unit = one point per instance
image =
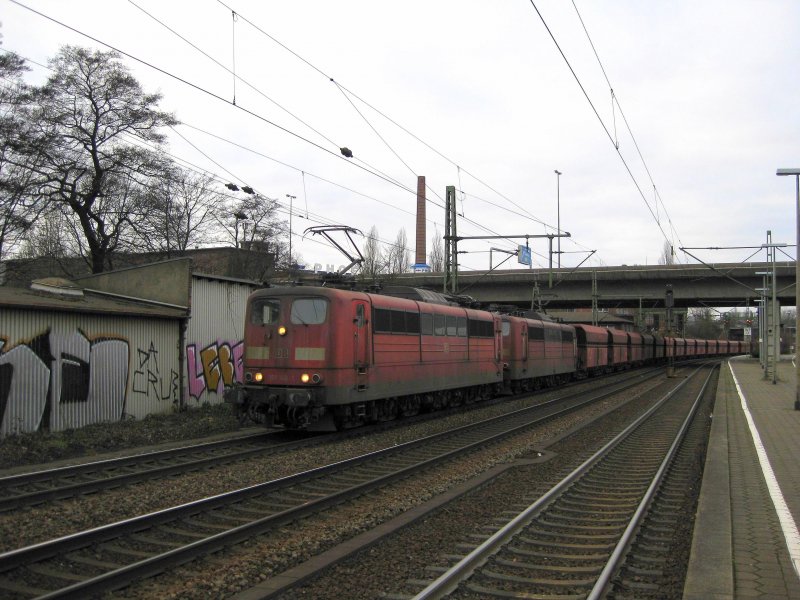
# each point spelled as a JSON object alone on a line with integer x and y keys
{"x": 169, "y": 282}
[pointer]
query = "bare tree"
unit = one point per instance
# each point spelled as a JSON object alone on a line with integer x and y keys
{"x": 667, "y": 254}
{"x": 436, "y": 255}
{"x": 19, "y": 205}
{"x": 88, "y": 118}
{"x": 252, "y": 220}
{"x": 373, "y": 264}
{"x": 398, "y": 256}
{"x": 49, "y": 237}
{"x": 252, "y": 223}
{"x": 179, "y": 212}
{"x": 702, "y": 323}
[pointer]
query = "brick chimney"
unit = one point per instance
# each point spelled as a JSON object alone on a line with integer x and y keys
{"x": 421, "y": 259}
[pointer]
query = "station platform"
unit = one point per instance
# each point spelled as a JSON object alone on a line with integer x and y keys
{"x": 746, "y": 542}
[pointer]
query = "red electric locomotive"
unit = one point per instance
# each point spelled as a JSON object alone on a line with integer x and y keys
{"x": 323, "y": 359}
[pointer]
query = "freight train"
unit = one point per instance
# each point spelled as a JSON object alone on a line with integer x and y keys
{"x": 324, "y": 359}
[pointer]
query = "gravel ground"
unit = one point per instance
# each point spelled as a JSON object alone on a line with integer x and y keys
{"x": 422, "y": 545}
{"x": 264, "y": 557}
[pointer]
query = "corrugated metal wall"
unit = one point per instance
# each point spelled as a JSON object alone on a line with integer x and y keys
{"x": 62, "y": 370}
{"x": 213, "y": 353}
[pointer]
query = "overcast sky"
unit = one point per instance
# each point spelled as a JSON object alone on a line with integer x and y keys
{"x": 487, "y": 103}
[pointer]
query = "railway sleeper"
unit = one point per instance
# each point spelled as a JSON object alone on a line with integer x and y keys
{"x": 584, "y": 569}
{"x": 569, "y": 581}
{"x": 192, "y": 535}
{"x": 640, "y": 572}
{"x": 23, "y": 589}
{"x": 45, "y": 571}
{"x": 128, "y": 553}
{"x": 555, "y": 556}
{"x": 151, "y": 541}
{"x": 561, "y": 544}
{"x": 92, "y": 562}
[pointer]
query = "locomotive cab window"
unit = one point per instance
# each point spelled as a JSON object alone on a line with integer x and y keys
{"x": 265, "y": 312}
{"x": 309, "y": 311}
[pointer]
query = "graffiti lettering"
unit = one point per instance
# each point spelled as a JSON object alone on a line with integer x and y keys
{"x": 147, "y": 377}
{"x": 62, "y": 381}
{"x": 214, "y": 367}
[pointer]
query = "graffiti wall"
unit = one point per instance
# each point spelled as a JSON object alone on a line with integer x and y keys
{"x": 60, "y": 371}
{"x": 214, "y": 367}
{"x": 214, "y": 348}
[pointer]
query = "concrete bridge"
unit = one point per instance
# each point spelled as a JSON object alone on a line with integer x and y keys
{"x": 726, "y": 284}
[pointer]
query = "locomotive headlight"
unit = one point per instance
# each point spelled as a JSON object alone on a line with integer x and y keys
{"x": 305, "y": 377}
{"x": 281, "y": 330}
{"x": 315, "y": 378}
{"x": 259, "y": 377}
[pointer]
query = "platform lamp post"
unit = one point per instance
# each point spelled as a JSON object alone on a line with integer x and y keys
{"x": 796, "y": 173}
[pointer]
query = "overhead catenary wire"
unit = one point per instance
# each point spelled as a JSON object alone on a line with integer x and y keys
{"x": 233, "y": 51}
{"x": 371, "y": 168}
{"x": 236, "y": 77}
{"x": 615, "y": 101}
{"x": 205, "y": 91}
{"x": 599, "y": 118}
{"x": 349, "y": 92}
{"x": 210, "y": 94}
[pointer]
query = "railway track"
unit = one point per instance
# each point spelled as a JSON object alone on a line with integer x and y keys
{"x": 36, "y": 487}
{"x": 114, "y": 555}
{"x": 603, "y": 531}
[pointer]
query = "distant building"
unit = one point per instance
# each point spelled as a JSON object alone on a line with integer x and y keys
{"x": 254, "y": 262}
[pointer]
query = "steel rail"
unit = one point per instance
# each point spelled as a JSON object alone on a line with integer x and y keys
{"x": 156, "y": 564}
{"x": 13, "y": 501}
{"x": 450, "y": 580}
{"x": 618, "y": 554}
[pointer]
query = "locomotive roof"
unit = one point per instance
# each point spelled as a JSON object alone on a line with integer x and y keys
{"x": 410, "y": 293}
